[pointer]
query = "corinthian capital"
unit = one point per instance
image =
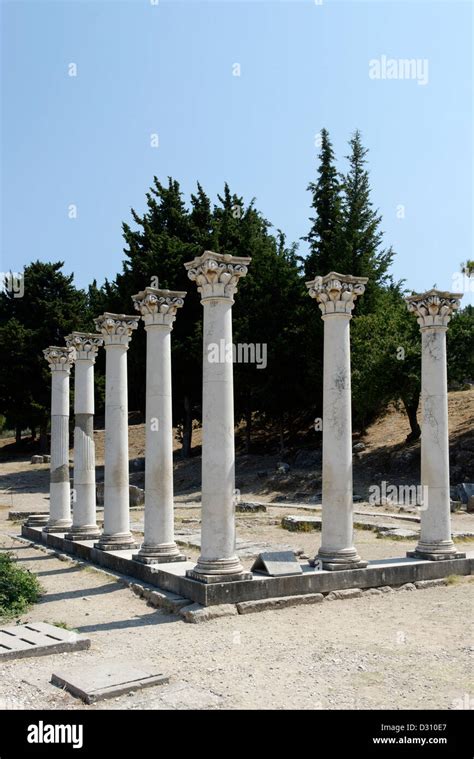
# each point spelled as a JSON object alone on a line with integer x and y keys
{"x": 217, "y": 275}
{"x": 59, "y": 358}
{"x": 116, "y": 329}
{"x": 158, "y": 307}
{"x": 336, "y": 293}
{"x": 85, "y": 344}
{"x": 433, "y": 308}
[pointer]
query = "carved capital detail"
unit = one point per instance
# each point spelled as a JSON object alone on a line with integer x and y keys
{"x": 217, "y": 275}
{"x": 85, "y": 344}
{"x": 116, "y": 329}
{"x": 433, "y": 308}
{"x": 59, "y": 358}
{"x": 158, "y": 307}
{"x": 336, "y": 293}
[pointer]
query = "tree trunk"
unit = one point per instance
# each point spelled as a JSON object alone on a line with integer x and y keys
{"x": 282, "y": 437}
{"x": 33, "y": 434}
{"x": 43, "y": 442}
{"x": 248, "y": 430}
{"x": 187, "y": 427}
{"x": 18, "y": 435}
{"x": 411, "y": 407}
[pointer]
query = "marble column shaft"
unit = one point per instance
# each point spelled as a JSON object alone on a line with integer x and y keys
{"x": 84, "y": 526}
{"x": 433, "y": 310}
{"x": 336, "y": 295}
{"x": 158, "y": 309}
{"x": 60, "y": 360}
{"x": 217, "y": 277}
{"x": 116, "y": 329}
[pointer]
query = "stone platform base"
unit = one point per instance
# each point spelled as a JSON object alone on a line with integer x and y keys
{"x": 333, "y": 567}
{"x": 425, "y": 555}
{"x": 114, "y": 546}
{"x": 80, "y": 535}
{"x": 172, "y": 576}
{"x": 192, "y": 575}
{"x": 56, "y": 530}
{"x": 144, "y": 559}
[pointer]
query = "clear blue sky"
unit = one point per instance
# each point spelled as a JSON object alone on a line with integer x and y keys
{"x": 167, "y": 68}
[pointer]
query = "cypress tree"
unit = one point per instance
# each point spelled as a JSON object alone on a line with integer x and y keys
{"x": 361, "y": 234}
{"x": 326, "y": 253}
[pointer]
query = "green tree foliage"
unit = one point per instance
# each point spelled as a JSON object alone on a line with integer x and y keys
{"x": 361, "y": 234}
{"x": 164, "y": 237}
{"x": 460, "y": 339}
{"x": 345, "y": 234}
{"x": 346, "y": 237}
{"x": 50, "y": 308}
{"x": 324, "y": 237}
{"x": 267, "y": 312}
{"x": 272, "y": 307}
{"x": 386, "y": 355}
{"x": 18, "y": 588}
{"x": 168, "y": 235}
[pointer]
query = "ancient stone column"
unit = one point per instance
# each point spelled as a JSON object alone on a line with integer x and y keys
{"x": 433, "y": 310}
{"x": 60, "y": 361}
{"x": 84, "y": 525}
{"x": 116, "y": 330}
{"x": 158, "y": 310}
{"x": 336, "y": 295}
{"x": 217, "y": 277}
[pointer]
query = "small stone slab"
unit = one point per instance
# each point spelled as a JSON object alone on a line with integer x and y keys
{"x": 106, "y": 680}
{"x": 342, "y": 595}
{"x": 399, "y": 532}
{"x": 420, "y": 584}
{"x": 38, "y": 639}
{"x": 38, "y": 520}
{"x": 162, "y": 599}
{"x": 251, "y": 507}
{"x": 263, "y": 604}
{"x": 295, "y": 523}
{"x": 277, "y": 564}
{"x": 195, "y": 613}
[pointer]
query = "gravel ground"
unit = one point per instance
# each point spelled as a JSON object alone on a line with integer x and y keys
{"x": 399, "y": 650}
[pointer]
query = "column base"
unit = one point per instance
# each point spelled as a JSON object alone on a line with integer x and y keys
{"x": 158, "y": 554}
{"x": 334, "y": 561}
{"x": 83, "y": 533}
{"x": 123, "y": 542}
{"x": 60, "y": 526}
{"x": 440, "y": 551}
{"x": 219, "y": 570}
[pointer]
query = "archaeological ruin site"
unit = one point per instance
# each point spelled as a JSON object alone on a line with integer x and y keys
{"x": 218, "y": 578}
